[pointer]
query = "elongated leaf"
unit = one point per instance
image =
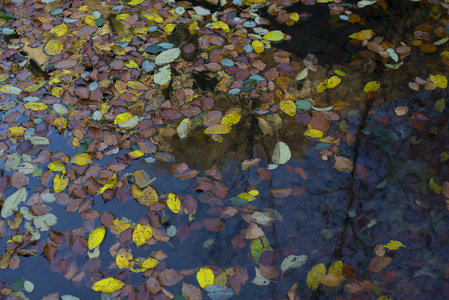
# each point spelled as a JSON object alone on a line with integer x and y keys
{"x": 167, "y": 56}
{"x": 96, "y": 237}
{"x": 11, "y": 203}
{"x": 293, "y": 261}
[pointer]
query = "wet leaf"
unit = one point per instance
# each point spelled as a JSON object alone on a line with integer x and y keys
{"x": 372, "y": 86}
{"x": 258, "y": 46}
{"x": 167, "y": 56}
{"x": 163, "y": 76}
{"x": 96, "y": 237}
{"x": 288, "y": 107}
{"x": 281, "y": 153}
{"x": 108, "y": 285}
{"x": 343, "y": 164}
{"x": 439, "y": 80}
{"x": 292, "y": 262}
{"x": 53, "y": 47}
{"x": 145, "y": 196}
{"x": 217, "y": 129}
{"x": 333, "y": 280}
{"x": 336, "y": 268}
{"x": 11, "y": 203}
{"x": 35, "y": 106}
{"x": 274, "y": 36}
{"x": 440, "y": 104}
{"x": 315, "y": 275}
{"x": 259, "y": 279}
{"x": 434, "y": 187}
{"x": 174, "y": 203}
{"x": 82, "y": 159}
{"x": 109, "y": 185}
{"x": 123, "y": 258}
{"x": 60, "y": 182}
{"x": 394, "y": 245}
{"x": 259, "y": 246}
{"x": 205, "y": 277}
{"x": 230, "y": 119}
{"x": 183, "y": 128}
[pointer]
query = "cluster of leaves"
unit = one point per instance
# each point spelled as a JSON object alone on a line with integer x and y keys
{"x": 105, "y": 95}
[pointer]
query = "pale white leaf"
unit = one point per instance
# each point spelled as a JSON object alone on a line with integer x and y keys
{"x": 11, "y": 203}
{"x": 281, "y": 153}
{"x": 259, "y": 279}
{"x": 293, "y": 261}
{"x": 167, "y": 56}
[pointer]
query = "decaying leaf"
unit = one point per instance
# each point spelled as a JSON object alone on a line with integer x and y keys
{"x": 293, "y": 261}
{"x": 315, "y": 275}
{"x": 259, "y": 279}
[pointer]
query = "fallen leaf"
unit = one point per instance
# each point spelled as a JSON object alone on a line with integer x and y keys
{"x": 96, "y": 237}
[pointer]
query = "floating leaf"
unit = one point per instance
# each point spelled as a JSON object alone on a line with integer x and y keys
{"x": 440, "y": 104}
{"x": 122, "y": 260}
{"x": 333, "y": 280}
{"x": 394, "y": 245}
{"x": 258, "y": 46}
{"x": 167, "y": 56}
{"x": 220, "y": 25}
{"x": 59, "y": 30}
{"x": 217, "y": 129}
{"x": 343, "y": 164}
{"x": 35, "y": 106}
{"x": 434, "y": 187}
{"x": 259, "y": 279}
{"x": 439, "y": 80}
{"x": 288, "y": 107}
{"x": 313, "y": 133}
{"x": 56, "y": 166}
{"x": 96, "y": 237}
{"x": 109, "y": 185}
{"x": 136, "y": 85}
{"x": 11, "y": 203}
{"x": 205, "y": 277}
{"x": 122, "y": 118}
{"x": 183, "y": 128}
{"x": 259, "y": 246}
{"x": 274, "y": 36}
{"x": 108, "y": 285}
{"x": 60, "y": 182}
{"x": 281, "y": 153}
{"x": 293, "y": 261}
{"x": 141, "y": 234}
{"x": 336, "y": 268}
{"x": 82, "y": 159}
{"x": 53, "y": 47}
{"x": 163, "y": 76}
{"x": 315, "y": 275}
{"x": 145, "y": 196}
{"x": 371, "y": 86}
{"x": 174, "y": 203}
{"x": 230, "y": 119}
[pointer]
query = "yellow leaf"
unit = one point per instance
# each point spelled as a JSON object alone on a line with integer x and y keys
{"x": 136, "y": 85}
{"x": 135, "y": 154}
{"x": 16, "y": 130}
{"x": 362, "y": 35}
{"x": 56, "y": 91}
{"x": 141, "y": 234}
{"x": 108, "y": 285}
{"x": 333, "y": 82}
{"x": 445, "y": 54}
{"x": 294, "y": 16}
{"x": 96, "y": 237}
{"x": 60, "y": 183}
{"x": 205, "y": 277}
{"x": 59, "y": 30}
{"x": 132, "y": 64}
{"x": 82, "y": 159}
{"x": 254, "y": 192}
{"x": 274, "y": 36}
{"x": 135, "y": 2}
{"x": 246, "y": 196}
{"x": 434, "y": 186}
{"x": 174, "y": 203}
{"x": 150, "y": 263}
{"x": 371, "y": 86}
{"x": 169, "y": 28}
{"x": 144, "y": 196}
{"x": 440, "y": 104}
{"x": 111, "y": 183}
{"x": 288, "y": 107}
{"x": 336, "y": 268}
{"x": 258, "y": 46}
{"x": 34, "y": 87}
{"x": 90, "y": 20}
{"x": 35, "y": 106}
{"x": 439, "y": 80}
{"x": 394, "y": 245}
{"x": 122, "y": 118}
{"x": 217, "y": 129}
{"x": 315, "y": 276}
{"x": 119, "y": 226}
{"x": 104, "y": 108}
{"x": 221, "y": 279}
{"x": 313, "y": 133}
{"x": 60, "y": 123}
{"x": 230, "y": 119}
{"x": 192, "y": 28}
{"x": 152, "y": 15}
{"x": 53, "y": 47}
{"x": 56, "y": 166}
{"x": 220, "y": 25}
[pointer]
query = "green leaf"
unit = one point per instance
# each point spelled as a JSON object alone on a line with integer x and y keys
{"x": 281, "y": 153}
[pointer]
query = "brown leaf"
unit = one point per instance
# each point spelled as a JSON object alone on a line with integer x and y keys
{"x": 333, "y": 280}
{"x": 281, "y": 193}
{"x": 153, "y": 285}
{"x": 378, "y": 263}
{"x": 169, "y": 277}
{"x": 268, "y": 271}
{"x": 191, "y": 292}
{"x": 213, "y": 224}
{"x": 253, "y": 232}
{"x": 343, "y": 164}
